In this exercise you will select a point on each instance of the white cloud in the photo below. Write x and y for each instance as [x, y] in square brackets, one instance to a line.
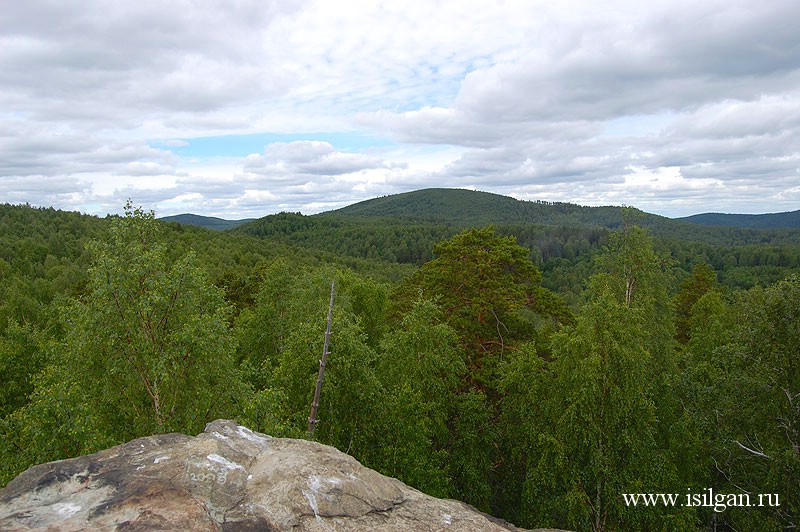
[540, 99]
[308, 158]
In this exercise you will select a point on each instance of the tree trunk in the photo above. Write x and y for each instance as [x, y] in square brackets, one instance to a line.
[312, 419]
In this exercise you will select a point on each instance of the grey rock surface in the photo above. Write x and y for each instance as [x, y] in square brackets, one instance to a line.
[227, 478]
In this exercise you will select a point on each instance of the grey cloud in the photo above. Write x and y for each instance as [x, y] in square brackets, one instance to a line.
[19, 186]
[730, 39]
[778, 173]
[213, 121]
[545, 164]
[727, 71]
[546, 100]
[457, 127]
[135, 57]
[28, 150]
[768, 116]
[663, 60]
[35, 150]
[42, 190]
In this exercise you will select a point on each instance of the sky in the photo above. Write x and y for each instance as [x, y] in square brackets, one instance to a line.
[244, 108]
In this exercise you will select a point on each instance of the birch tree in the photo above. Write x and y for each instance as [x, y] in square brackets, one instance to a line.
[148, 350]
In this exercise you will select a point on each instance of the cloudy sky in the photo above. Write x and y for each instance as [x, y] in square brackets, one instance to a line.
[242, 108]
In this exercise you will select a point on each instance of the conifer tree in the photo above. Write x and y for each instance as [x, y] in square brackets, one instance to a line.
[702, 280]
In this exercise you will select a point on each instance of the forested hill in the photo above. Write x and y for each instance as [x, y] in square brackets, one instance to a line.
[208, 222]
[752, 221]
[440, 213]
[474, 208]
[540, 370]
[471, 207]
[561, 237]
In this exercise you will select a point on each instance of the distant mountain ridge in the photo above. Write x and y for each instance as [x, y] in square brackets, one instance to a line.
[403, 227]
[471, 207]
[209, 222]
[750, 221]
[464, 205]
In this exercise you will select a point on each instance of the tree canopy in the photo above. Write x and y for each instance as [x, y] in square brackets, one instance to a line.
[538, 372]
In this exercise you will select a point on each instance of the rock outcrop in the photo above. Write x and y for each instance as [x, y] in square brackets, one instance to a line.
[227, 478]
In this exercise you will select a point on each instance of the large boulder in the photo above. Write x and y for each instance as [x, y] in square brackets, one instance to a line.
[227, 478]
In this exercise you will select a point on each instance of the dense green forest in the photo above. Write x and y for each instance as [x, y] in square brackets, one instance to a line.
[754, 221]
[209, 222]
[542, 362]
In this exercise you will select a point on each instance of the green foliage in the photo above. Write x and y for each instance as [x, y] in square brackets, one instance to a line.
[702, 369]
[21, 357]
[636, 276]
[384, 241]
[759, 449]
[409, 440]
[702, 281]
[483, 283]
[524, 380]
[471, 448]
[423, 351]
[479, 279]
[208, 222]
[470, 378]
[351, 390]
[468, 208]
[281, 344]
[630, 266]
[476, 208]
[157, 330]
[607, 378]
[147, 350]
[56, 423]
[404, 228]
[755, 221]
[420, 368]
[282, 302]
[599, 384]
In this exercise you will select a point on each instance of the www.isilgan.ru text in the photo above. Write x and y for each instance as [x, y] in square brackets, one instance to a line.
[707, 498]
